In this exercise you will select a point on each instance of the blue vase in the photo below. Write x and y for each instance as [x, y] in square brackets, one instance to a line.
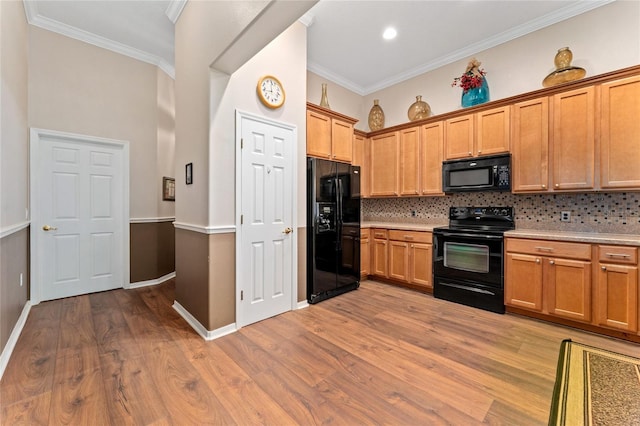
[478, 95]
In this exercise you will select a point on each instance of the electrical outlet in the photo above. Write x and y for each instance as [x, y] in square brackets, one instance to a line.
[565, 216]
[413, 213]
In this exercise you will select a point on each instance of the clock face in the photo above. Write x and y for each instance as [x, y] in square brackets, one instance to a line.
[270, 92]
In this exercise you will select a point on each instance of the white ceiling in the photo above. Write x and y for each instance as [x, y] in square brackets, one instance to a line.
[345, 42]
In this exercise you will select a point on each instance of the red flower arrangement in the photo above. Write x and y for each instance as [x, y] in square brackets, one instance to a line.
[472, 77]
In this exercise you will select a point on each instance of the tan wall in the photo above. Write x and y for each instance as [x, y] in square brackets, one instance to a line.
[80, 88]
[192, 274]
[14, 140]
[166, 140]
[152, 248]
[222, 280]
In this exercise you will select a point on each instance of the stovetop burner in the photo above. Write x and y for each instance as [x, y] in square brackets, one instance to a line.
[486, 220]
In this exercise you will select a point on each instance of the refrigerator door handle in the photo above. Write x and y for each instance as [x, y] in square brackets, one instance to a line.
[339, 213]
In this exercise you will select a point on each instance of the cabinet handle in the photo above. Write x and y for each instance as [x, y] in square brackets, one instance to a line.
[537, 260]
[544, 186]
[544, 248]
[411, 245]
[470, 153]
[557, 185]
[604, 268]
[618, 255]
[408, 237]
[479, 152]
[552, 262]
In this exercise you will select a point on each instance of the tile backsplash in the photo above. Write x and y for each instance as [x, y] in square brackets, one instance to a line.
[613, 212]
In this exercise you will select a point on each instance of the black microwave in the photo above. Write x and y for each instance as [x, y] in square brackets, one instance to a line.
[491, 173]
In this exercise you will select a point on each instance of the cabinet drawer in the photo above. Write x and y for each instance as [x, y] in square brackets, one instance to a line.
[618, 254]
[380, 234]
[410, 236]
[364, 234]
[549, 248]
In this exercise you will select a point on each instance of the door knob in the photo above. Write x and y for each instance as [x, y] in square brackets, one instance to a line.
[288, 230]
[49, 228]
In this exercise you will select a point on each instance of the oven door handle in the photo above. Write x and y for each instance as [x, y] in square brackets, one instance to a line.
[475, 236]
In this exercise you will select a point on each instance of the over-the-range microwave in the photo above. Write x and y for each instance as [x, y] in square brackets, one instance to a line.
[490, 173]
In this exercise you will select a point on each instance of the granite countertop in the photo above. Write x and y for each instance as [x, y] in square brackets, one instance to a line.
[578, 237]
[571, 236]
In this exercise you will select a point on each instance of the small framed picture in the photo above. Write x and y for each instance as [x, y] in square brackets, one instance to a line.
[168, 189]
[188, 173]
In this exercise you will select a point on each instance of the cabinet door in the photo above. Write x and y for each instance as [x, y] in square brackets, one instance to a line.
[458, 137]
[379, 253]
[493, 131]
[341, 140]
[318, 135]
[420, 264]
[384, 164]
[431, 141]
[569, 288]
[573, 140]
[620, 134]
[410, 161]
[617, 305]
[399, 260]
[530, 145]
[523, 284]
[365, 257]
[360, 158]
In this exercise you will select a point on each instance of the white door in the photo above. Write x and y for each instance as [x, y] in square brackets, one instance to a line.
[78, 209]
[266, 254]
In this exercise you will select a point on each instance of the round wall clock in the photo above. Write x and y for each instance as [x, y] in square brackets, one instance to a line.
[270, 91]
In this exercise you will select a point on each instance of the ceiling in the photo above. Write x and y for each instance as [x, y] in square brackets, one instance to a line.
[345, 42]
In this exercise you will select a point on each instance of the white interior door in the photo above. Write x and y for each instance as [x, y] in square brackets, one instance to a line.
[265, 264]
[79, 230]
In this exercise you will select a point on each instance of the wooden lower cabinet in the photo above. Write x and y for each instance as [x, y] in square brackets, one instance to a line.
[617, 288]
[379, 253]
[595, 285]
[541, 277]
[408, 256]
[365, 253]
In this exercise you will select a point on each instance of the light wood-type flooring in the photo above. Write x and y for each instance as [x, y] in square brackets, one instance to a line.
[377, 355]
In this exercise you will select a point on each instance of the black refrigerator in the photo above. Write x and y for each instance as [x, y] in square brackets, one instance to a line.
[333, 228]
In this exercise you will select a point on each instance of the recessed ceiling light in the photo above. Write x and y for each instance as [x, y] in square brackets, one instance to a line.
[390, 33]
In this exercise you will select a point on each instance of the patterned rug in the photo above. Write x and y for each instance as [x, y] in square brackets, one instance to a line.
[595, 387]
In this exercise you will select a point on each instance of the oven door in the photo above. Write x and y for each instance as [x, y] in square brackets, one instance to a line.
[471, 257]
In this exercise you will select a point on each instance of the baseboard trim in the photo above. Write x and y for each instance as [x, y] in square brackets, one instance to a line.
[302, 305]
[201, 329]
[13, 339]
[157, 281]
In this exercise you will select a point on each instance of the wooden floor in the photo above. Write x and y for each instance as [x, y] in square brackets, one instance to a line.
[378, 355]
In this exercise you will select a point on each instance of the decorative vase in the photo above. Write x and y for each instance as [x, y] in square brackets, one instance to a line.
[419, 109]
[324, 100]
[564, 71]
[476, 96]
[376, 116]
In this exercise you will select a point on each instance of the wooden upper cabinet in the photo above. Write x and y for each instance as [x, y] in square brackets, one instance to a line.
[483, 133]
[620, 134]
[361, 151]
[493, 131]
[431, 141]
[410, 161]
[459, 137]
[384, 162]
[341, 140]
[318, 135]
[530, 145]
[573, 139]
[329, 134]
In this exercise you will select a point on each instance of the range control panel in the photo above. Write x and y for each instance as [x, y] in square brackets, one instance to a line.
[459, 213]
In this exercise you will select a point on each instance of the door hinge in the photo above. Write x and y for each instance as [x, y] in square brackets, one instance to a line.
[241, 219]
[241, 295]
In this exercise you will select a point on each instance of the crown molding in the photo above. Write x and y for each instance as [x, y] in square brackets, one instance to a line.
[473, 49]
[174, 9]
[35, 19]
